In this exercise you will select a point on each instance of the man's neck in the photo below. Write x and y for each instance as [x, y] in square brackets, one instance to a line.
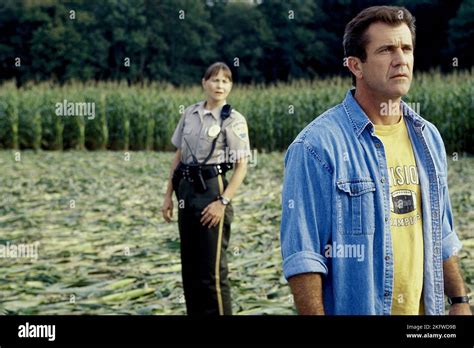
[380, 110]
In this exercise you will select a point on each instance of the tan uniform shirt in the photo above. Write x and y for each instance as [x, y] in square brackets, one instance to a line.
[193, 128]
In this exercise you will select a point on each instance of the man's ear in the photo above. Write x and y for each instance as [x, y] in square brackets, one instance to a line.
[355, 66]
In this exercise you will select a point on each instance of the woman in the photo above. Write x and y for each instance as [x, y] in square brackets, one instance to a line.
[210, 137]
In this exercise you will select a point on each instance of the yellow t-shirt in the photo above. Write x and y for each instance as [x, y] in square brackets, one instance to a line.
[406, 225]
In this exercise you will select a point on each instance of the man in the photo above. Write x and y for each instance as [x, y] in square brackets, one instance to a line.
[367, 226]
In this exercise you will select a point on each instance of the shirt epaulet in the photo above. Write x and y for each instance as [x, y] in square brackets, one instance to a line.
[235, 114]
[193, 108]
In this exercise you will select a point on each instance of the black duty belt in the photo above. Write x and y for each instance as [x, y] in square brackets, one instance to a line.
[199, 173]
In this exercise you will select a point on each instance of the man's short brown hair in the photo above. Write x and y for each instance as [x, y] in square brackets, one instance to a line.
[214, 69]
[355, 35]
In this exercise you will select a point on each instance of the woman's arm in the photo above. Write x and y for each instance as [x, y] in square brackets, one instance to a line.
[167, 209]
[236, 179]
[214, 212]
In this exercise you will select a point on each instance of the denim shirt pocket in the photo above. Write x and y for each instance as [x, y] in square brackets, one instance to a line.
[355, 206]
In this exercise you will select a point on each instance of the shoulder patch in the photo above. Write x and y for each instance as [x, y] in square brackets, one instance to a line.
[240, 129]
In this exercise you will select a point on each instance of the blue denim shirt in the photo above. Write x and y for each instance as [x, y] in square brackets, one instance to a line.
[336, 210]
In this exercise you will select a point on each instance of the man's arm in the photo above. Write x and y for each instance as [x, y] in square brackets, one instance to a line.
[308, 293]
[454, 286]
[305, 226]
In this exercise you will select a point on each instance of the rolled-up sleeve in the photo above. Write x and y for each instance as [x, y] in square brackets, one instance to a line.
[306, 212]
[451, 244]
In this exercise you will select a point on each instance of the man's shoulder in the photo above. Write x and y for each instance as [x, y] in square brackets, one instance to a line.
[434, 140]
[320, 138]
[429, 129]
[326, 127]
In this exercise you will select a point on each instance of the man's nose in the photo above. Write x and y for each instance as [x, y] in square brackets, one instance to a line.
[400, 58]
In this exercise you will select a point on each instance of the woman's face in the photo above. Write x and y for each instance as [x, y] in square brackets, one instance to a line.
[217, 88]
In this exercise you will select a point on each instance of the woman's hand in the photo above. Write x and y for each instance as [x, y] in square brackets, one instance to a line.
[167, 209]
[213, 214]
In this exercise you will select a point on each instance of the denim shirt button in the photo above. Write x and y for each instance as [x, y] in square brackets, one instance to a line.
[382, 180]
[387, 258]
[386, 219]
[377, 145]
[387, 294]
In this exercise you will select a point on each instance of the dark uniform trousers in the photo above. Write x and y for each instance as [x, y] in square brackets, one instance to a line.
[203, 250]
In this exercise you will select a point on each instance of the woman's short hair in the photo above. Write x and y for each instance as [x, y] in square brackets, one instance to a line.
[214, 69]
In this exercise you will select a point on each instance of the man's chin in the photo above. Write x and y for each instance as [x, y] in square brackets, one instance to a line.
[399, 91]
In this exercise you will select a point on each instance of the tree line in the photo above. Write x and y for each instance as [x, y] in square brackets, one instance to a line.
[264, 41]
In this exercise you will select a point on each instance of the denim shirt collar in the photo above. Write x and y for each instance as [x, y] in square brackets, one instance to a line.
[360, 120]
[409, 113]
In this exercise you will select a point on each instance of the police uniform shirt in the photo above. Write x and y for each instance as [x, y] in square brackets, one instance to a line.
[194, 128]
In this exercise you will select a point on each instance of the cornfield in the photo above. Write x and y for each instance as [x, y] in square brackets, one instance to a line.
[144, 117]
[103, 247]
[111, 252]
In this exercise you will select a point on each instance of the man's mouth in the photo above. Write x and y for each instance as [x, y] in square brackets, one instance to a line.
[399, 76]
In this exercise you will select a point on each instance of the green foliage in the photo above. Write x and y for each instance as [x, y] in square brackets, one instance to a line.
[144, 117]
[461, 34]
[174, 40]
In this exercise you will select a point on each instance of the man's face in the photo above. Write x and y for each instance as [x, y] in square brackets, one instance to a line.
[388, 69]
[217, 87]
